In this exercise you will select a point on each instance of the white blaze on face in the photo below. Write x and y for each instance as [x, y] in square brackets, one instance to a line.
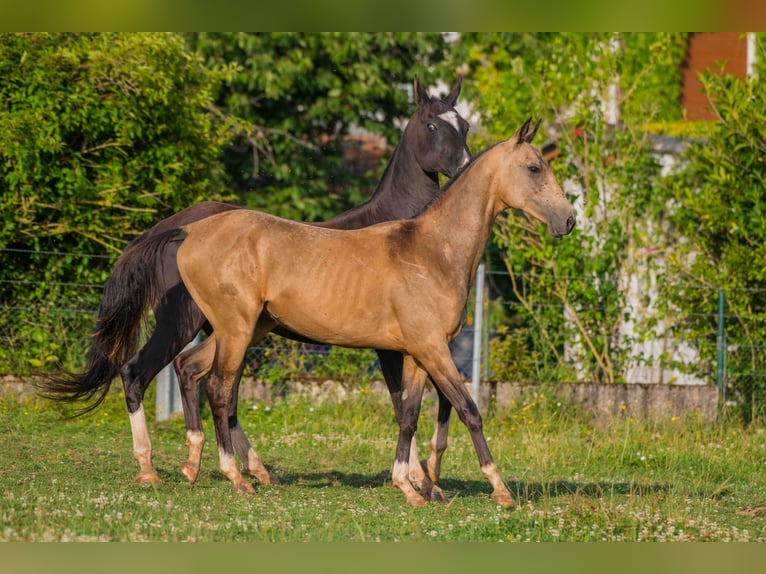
[451, 118]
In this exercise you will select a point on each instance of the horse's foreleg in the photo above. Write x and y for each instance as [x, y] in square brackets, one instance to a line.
[438, 362]
[242, 446]
[229, 353]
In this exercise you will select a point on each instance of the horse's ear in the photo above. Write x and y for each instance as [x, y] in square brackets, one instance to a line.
[525, 134]
[451, 98]
[521, 134]
[421, 96]
[531, 135]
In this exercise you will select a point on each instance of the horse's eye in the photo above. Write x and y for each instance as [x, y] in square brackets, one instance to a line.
[533, 168]
[431, 127]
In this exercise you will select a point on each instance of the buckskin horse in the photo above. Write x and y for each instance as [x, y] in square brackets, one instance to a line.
[400, 286]
[433, 142]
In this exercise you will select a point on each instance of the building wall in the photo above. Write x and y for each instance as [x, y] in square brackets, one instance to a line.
[707, 50]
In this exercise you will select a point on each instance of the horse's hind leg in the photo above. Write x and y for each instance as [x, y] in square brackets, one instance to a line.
[167, 339]
[191, 366]
[230, 348]
[135, 385]
[391, 366]
[413, 379]
[142, 447]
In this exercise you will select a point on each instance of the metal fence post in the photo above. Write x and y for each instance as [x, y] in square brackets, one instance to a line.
[721, 344]
[477, 332]
[168, 400]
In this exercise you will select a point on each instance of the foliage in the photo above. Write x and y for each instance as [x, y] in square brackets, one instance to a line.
[280, 360]
[720, 235]
[302, 93]
[104, 134]
[572, 292]
[101, 135]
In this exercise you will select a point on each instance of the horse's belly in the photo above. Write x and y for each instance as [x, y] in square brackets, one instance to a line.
[345, 327]
[349, 311]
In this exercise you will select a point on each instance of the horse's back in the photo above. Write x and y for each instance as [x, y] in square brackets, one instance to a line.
[313, 280]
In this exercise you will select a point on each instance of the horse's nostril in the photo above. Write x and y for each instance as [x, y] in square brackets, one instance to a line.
[570, 223]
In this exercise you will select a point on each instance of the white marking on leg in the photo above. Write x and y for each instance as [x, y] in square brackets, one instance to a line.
[399, 474]
[141, 442]
[400, 479]
[228, 465]
[142, 446]
[195, 440]
[249, 457]
[500, 493]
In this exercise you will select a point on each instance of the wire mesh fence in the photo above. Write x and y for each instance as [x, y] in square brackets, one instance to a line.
[519, 342]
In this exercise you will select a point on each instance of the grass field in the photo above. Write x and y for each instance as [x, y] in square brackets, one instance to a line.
[573, 480]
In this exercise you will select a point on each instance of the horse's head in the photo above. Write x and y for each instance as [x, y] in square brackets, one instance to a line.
[437, 132]
[528, 182]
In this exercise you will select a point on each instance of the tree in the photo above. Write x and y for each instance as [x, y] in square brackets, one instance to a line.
[719, 239]
[101, 135]
[575, 319]
[299, 94]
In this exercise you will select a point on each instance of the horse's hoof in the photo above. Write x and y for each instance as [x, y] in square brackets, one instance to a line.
[191, 472]
[502, 499]
[244, 486]
[272, 480]
[264, 477]
[148, 478]
[416, 500]
[438, 496]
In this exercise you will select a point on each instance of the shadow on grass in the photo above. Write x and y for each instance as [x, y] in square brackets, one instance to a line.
[334, 478]
[521, 490]
[534, 490]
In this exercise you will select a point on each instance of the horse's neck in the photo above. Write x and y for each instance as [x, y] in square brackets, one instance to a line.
[403, 192]
[461, 220]
[405, 188]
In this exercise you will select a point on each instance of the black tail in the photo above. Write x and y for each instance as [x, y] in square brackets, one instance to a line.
[128, 292]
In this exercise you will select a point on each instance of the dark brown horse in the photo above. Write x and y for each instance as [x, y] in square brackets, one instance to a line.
[432, 142]
[400, 286]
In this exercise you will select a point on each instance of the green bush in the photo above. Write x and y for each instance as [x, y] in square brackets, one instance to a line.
[719, 239]
[101, 135]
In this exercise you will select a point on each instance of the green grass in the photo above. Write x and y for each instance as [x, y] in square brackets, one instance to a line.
[573, 480]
